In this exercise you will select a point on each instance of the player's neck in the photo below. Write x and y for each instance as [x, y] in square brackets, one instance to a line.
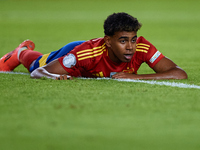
[113, 57]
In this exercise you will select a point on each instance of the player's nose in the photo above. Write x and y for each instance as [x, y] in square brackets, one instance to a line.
[129, 46]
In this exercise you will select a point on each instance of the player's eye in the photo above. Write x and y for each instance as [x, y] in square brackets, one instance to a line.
[122, 41]
[133, 41]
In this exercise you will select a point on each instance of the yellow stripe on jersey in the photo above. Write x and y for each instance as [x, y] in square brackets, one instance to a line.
[141, 47]
[142, 44]
[89, 50]
[140, 50]
[90, 56]
[43, 60]
[90, 53]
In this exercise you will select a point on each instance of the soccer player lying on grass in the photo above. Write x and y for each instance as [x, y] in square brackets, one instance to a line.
[118, 55]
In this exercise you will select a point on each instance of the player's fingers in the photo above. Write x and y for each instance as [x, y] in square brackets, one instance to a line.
[64, 77]
[60, 77]
[70, 78]
[119, 75]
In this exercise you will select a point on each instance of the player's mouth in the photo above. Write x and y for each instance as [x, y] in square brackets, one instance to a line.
[128, 56]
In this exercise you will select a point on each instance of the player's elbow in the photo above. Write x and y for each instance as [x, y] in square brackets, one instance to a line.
[184, 75]
[181, 74]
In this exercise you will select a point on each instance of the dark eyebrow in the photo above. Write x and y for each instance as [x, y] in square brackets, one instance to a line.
[134, 37]
[125, 37]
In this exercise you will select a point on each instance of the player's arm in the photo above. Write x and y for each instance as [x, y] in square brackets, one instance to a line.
[164, 69]
[167, 69]
[53, 70]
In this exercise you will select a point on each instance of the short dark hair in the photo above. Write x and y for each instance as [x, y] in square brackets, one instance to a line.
[120, 22]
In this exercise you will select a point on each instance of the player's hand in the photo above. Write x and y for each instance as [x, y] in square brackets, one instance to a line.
[123, 75]
[64, 77]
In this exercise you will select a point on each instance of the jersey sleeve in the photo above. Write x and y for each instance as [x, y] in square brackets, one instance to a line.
[150, 54]
[70, 62]
[82, 58]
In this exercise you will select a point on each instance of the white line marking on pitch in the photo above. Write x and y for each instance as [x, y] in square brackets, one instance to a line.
[153, 82]
[172, 84]
[23, 73]
[166, 83]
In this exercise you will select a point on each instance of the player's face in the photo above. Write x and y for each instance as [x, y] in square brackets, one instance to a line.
[122, 46]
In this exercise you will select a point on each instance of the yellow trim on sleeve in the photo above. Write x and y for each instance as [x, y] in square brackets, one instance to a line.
[89, 53]
[143, 47]
[139, 50]
[89, 50]
[91, 56]
[142, 44]
[43, 60]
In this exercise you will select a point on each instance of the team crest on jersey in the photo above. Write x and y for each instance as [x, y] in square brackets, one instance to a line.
[69, 61]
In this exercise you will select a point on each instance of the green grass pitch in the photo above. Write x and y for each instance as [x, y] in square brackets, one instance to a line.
[99, 114]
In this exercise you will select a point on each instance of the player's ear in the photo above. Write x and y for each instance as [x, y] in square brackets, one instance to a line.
[107, 40]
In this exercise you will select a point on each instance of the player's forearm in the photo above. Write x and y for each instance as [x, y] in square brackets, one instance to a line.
[161, 76]
[175, 73]
[41, 72]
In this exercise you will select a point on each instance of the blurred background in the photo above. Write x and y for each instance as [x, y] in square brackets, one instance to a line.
[172, 25]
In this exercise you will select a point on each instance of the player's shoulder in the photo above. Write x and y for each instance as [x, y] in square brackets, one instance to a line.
[142, 45]
[91, 53]
[142, 41]
[90, 44]
[91, 47]
[97, 43]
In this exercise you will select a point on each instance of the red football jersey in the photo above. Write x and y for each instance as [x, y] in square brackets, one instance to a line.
[90, 59]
